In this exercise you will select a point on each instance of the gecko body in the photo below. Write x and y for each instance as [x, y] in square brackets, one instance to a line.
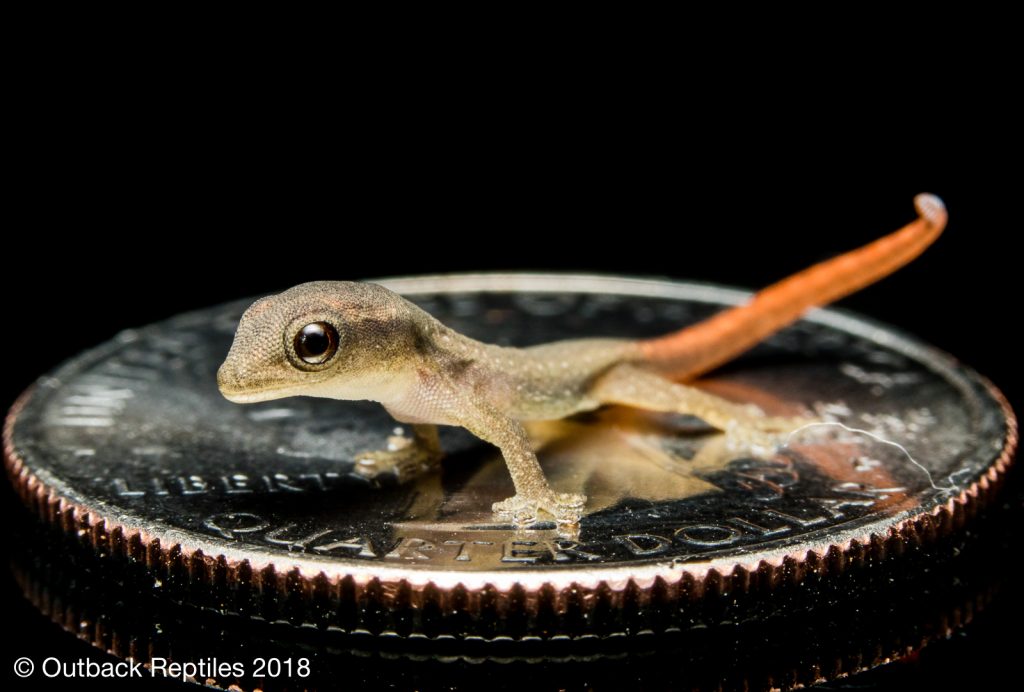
[349, 340]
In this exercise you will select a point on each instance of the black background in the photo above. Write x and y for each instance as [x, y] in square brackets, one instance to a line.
[127, 218]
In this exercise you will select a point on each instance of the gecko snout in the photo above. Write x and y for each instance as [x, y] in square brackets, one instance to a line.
[244, 378]
[231, 381]
[243, 385]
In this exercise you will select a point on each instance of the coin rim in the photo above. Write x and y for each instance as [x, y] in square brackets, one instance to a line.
[73, 617]
[160, 545]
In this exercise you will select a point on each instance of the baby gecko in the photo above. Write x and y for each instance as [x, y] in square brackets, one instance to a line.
[345, 340]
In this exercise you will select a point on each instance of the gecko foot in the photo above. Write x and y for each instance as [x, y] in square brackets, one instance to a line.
[566, 508]
[761, 435]
[404, 463]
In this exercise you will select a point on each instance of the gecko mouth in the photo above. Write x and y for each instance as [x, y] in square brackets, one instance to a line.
[231, 388]
[249, 396]
[256, 395]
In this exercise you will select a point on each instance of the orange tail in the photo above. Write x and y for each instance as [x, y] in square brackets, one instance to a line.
[701, 347]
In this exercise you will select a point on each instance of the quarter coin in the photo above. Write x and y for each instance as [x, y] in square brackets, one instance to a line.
[131, 447]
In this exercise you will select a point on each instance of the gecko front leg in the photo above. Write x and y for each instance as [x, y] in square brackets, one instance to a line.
[404, 458]
[533, 493]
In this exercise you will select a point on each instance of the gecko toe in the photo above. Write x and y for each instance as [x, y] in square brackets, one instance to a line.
[402, 464]
[564, 508]
[762, 436]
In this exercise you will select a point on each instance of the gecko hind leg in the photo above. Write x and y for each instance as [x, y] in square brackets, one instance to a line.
[405, 458]
[746, 426]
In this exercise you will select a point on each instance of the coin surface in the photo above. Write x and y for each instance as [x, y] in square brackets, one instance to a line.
[131, 446]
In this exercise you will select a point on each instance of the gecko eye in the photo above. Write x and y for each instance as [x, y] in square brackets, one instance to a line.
[316, 343]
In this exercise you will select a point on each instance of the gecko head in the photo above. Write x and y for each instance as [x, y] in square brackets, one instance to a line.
[327, 338]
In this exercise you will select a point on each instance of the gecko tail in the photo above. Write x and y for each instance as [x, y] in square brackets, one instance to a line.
[696, 349]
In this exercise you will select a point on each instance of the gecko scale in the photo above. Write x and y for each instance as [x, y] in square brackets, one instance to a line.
[346, 340]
